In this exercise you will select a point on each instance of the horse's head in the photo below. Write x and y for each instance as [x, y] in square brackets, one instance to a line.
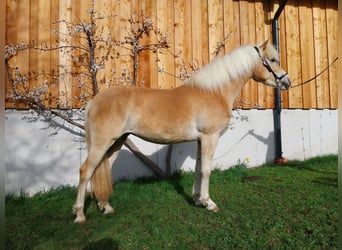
[268, 70]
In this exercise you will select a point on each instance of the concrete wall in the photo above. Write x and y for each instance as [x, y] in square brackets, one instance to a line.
[39, 157]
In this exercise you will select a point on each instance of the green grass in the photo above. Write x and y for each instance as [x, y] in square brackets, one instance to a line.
[271, 207]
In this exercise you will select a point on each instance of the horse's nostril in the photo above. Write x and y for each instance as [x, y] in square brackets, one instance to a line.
[285, 83]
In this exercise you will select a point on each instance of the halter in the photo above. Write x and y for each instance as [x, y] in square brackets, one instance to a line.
[269, 68]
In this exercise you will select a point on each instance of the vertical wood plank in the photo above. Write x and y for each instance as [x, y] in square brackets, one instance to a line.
[65, 81]
[307, 53]
[148, 59]
[321, 56]
[82, 57]
[231, 24]
[162, 17]
[183, 41]
[21, 33]
[293, 53]
[196, 24]
[205, 32]
[199, 22]
[100, 8]
[117, 51]
[144, 72]
[215, 23]
[125, 66]
[109, 67]
[43, 39]
[33, 54]
[153, 58]
[11, 34]
[331, 15]
[165, 59]
[76, 69]
[54, 55]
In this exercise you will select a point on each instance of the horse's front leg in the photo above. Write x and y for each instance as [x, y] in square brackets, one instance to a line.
[208, 146]
[196, 189]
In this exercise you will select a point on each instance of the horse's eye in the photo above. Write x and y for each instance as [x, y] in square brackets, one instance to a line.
[274, 60]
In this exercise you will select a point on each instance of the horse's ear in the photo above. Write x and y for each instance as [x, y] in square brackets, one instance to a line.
[263, 45]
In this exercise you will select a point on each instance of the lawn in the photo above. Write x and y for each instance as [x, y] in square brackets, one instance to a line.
[279, 207]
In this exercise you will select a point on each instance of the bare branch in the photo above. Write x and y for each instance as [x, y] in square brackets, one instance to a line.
[220, 45]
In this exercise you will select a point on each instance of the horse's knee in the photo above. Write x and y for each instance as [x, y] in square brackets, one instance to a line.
[76, 208]
[83, 172]
[205, 173]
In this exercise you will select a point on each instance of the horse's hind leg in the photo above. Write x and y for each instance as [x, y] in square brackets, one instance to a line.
[112, 154]
[94, 157]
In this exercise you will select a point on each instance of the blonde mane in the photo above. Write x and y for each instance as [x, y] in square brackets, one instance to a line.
[224, 69]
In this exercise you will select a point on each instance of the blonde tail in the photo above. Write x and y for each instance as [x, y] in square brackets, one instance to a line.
[101, 182]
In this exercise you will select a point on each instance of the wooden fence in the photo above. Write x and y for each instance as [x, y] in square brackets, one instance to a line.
[194, 29]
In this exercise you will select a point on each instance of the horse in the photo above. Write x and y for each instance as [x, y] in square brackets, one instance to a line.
[198, 110]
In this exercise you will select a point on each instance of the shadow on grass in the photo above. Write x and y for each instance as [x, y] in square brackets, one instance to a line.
[327, 181]
[88, 200]
[324, 166]
[174, 180]
[315, 165]
[103, 244]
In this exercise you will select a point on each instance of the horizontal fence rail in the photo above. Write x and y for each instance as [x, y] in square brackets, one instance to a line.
[178, 38]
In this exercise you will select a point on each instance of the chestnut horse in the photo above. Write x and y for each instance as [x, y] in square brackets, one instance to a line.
[199, 110]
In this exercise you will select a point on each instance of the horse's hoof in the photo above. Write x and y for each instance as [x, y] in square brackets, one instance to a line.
[108, 210]
[215, 209]
[80, 219]
[211, 206]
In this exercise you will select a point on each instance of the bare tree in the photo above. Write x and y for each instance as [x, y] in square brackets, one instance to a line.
[94, 50]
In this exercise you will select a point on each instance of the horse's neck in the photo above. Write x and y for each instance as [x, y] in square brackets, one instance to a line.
[233, 89]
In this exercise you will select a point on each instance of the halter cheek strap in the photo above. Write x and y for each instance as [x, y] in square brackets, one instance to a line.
[269, 68]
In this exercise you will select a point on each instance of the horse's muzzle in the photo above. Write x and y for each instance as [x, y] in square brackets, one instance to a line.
[284, 82]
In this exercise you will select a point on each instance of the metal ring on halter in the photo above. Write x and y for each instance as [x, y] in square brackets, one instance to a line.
[269, 68]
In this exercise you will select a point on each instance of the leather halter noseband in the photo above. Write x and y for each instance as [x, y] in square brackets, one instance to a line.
[269, 68]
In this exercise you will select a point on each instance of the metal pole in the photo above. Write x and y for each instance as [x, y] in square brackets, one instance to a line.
[277, 110]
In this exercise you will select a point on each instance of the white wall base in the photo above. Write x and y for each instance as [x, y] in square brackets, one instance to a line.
[39, 157]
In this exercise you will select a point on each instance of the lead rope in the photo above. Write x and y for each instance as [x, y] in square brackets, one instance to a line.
[316, 76]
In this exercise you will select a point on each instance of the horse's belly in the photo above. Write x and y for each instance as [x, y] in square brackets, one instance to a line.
[167, 134]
